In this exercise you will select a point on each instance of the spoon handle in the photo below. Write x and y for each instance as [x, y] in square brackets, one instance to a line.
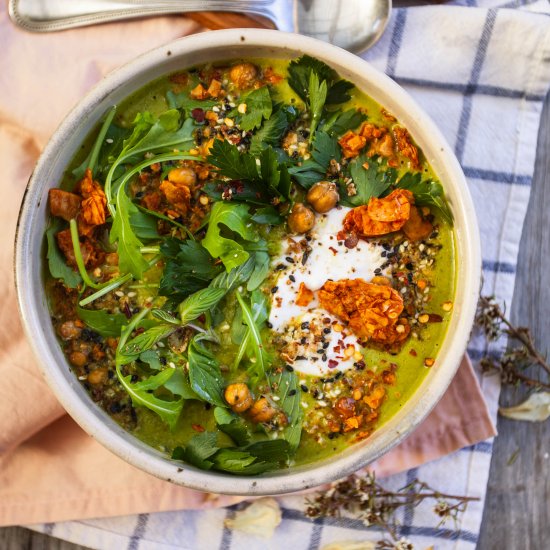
[57, 15]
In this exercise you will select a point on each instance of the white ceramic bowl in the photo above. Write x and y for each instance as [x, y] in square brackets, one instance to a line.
[179, 55]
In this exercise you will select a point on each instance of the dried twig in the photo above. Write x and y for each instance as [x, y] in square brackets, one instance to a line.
[521, 353]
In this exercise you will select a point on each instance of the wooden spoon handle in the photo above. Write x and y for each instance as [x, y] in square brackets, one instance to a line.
[224, 20]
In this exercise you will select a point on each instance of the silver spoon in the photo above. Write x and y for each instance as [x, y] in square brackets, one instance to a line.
[354, 25]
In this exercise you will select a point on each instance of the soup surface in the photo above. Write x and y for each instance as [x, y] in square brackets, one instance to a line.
[251, 265]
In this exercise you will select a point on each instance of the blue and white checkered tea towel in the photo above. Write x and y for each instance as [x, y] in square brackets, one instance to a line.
[481, 70]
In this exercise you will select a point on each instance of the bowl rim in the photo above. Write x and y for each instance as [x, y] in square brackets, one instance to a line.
[146, 458]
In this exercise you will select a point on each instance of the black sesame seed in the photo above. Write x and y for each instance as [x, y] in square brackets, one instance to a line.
[326, 345]
[292, 392]
[274, 289]
[377, 271]
[289, 368]
[280, 267]
[289, 260]
[320, 351]
[327, 330]
[304, 388]
[409, 266]
[292, 278]
[268, 324]
[303, 340]
[305, 325]
[301, 358]
[332, 435]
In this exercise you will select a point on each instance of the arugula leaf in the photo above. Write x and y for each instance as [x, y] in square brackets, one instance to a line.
[141, 395]
[286, 388]
[205, 374]
[261, 270]
[104, 323]
[179, 385]
[317, 98]
[270, 133]
[91, 160]
[232, 425]
[259, 106]
[130, 258]
[152, 358]
[189, 267]
[427, 193]
[198, 303]
[57, 263]
[185, 102]
[369, 182]
[252, 321]
[151, 136]
[236, 218]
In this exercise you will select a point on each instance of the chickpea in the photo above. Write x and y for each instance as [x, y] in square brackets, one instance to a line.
[182, 176]
[323, 196]
[98, 376]
[238, 397]
[78, 359]
[70, 330]
[261, 411]
[301, 219]
[243, 75]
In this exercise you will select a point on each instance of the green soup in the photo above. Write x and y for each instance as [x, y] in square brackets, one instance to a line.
[251, 265]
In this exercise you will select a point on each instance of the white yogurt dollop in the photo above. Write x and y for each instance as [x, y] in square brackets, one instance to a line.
[303, 327]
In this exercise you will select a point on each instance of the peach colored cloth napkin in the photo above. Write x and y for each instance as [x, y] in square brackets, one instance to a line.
[50, 470]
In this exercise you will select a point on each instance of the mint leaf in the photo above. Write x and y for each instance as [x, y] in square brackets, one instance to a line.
[198, 303]
[143, 342]
[236, 218]
[237, 276]
[198, 450]
[233, 425]
[259, 106]
[286, 388]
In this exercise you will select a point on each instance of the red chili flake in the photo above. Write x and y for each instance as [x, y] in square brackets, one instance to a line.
[333, 250]
[435, 318]
[413, 352]
[127, 311]
[337, 349]
[202, 318]
[332, 363]
[139, 330]
[197, 427]
[198, 114]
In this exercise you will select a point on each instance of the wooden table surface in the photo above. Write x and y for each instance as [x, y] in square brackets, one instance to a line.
[517, 513]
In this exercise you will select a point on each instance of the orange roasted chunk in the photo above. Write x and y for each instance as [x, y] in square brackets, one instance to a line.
[305, 296]
[406, 147]
[179, 196]
[64, 204]
[94, 204]
[351, 144]
[379, 216]
[417, 228]
[199, 92]
[371, 310]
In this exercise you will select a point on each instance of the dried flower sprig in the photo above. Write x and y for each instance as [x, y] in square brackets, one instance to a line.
[521, 353]
[364, 497]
